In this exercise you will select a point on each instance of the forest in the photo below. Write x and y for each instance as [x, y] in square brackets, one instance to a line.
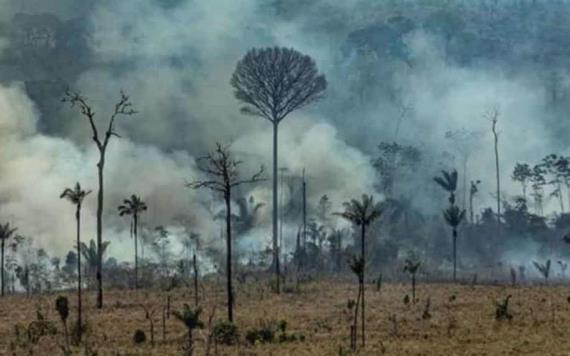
[168, 165]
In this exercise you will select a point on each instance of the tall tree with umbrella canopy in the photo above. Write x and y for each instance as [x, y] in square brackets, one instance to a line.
[134, 207]
[272, 83]
[76, 195]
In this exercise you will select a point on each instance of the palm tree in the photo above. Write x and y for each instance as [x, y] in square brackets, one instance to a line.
[448, 181]
[91, 255]
[76, 196]
[134, 207]
[412, 266]
[361, 213]
[6, 231]
[453, 215]
[248, 214]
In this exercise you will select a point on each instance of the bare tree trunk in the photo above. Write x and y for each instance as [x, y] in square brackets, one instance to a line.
[275, 211]
[560, 198]
[135, 217]
[229, 256]
[454, 253]
[304, 213]
[356, 308]
[2, 265]
[464, 200]
[568, 193]
[195, 279]
[363, 251]
[414, 288]
[99, 273]
[79, 329]
[471, 215]
[496, 137]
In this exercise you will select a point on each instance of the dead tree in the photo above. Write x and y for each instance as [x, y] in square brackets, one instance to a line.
[123, 107]
[271, 83]
[494, 117]
[221, 170]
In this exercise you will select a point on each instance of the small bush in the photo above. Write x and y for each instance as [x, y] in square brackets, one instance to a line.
[225, 333]
[139, 337]
[260, 335]
[271, 331]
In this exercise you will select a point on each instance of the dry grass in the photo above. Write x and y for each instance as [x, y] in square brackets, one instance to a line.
[464, 326]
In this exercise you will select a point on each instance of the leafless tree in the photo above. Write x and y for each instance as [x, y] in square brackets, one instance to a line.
[222, 175]
[123, 107]
[493, 116]
[271, 83]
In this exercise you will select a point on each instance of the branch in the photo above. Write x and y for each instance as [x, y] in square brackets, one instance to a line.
[75, 98]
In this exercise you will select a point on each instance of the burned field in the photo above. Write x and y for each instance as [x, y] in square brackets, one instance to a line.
[444, 320]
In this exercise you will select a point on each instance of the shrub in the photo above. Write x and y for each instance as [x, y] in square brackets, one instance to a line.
[139, 337]
[260, 335]
[225, 333]
[271, 331]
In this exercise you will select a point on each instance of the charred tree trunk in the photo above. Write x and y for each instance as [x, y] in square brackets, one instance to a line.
[195, 265]
[135, 218]
[229, 256]
[454, 253]
[79, 305]
[2, 266]
[496, 141]
[99, 273]
[275, 211]
[362, 312]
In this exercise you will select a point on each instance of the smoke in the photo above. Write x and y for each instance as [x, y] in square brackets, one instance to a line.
[175, 57]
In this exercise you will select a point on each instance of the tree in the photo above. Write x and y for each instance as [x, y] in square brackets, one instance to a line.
[562, 165]
[494, 117]
[361, 213]
[412, 266]
[91, 254]
[357, 267]
[6, 232]
[160, 244]
[394, 161]
[134, 207]
[544, 269]
[453, 215]
[272, 83]
[76, 196]
[123, 107]
[222, 172]
[552, 169]
[522, 174]
[191, 320]
[538, 182]
[472, 192]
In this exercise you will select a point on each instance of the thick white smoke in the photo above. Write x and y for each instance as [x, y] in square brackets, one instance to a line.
[175, 62]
